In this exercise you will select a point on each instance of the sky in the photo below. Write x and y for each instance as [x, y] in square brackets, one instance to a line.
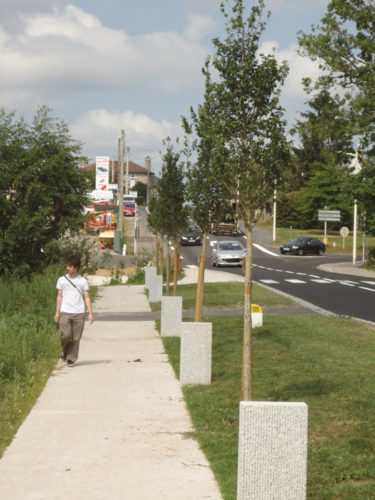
[107, 65]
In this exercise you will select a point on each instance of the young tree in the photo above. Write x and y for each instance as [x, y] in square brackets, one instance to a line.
[344, 44]
[171, 197]
[206, 193]
[155, 221]
[253, 129]
[42, 190]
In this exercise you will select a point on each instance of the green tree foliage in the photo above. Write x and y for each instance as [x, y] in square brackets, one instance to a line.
[344, 44]
[141, 189]
[42, 190]
[326, 128]
[206, 193]
[171, 193]
[251, 119]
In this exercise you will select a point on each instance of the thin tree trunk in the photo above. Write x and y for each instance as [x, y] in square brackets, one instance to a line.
[157, 251]
[247, 362]
[168, 270]
[200, 284]
[162, 256]
[175, 266]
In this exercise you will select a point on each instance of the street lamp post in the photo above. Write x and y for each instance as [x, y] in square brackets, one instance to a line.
[274, 217]
[355, 232]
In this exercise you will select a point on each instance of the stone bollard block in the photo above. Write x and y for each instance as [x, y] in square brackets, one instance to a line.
[195, 353]
[272, 451]
[149, 271]
[155, 289]
[171, 316]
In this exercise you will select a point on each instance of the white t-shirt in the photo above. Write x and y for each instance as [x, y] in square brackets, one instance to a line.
[72, 298]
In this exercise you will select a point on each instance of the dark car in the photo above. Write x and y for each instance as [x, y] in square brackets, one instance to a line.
[303, 245]
[190, 236]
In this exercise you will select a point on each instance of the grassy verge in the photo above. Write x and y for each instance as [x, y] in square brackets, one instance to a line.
[335, 241]
[229, 295]
[29, 346]
[325, 362]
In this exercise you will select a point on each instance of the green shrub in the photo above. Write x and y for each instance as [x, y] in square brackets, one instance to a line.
[138, 278]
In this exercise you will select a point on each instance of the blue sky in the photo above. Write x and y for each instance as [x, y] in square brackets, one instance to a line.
[104, 65]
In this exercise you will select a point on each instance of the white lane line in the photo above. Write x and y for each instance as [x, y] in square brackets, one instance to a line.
[368, 289]
[313, 276]
[269, 282]
[322, 281]
[279, 270]
[262, 249]
[346, 283]
[289, 272]
[301, 274]
[295, 281]
[368, 282]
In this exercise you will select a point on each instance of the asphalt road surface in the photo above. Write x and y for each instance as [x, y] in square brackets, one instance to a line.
[341, 294]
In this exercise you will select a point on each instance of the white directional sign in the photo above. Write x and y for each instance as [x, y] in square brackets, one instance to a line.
[329, 215]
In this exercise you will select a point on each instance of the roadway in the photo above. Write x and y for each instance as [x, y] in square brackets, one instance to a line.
[304, 277]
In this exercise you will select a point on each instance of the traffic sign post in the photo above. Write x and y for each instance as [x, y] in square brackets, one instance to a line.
[344, 231]
[328, 216]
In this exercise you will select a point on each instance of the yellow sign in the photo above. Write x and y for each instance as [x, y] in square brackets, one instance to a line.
[255, 308]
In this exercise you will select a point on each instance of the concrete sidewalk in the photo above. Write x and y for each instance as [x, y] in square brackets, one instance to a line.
[115, 426]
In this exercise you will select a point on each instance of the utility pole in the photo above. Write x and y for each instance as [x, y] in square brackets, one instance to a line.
[127, 172]
[148, 168]
[118, 232]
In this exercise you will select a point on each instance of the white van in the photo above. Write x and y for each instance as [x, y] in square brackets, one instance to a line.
[129, 197]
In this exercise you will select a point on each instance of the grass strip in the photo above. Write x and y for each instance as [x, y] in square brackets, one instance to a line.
[224, 295]
[325, 362]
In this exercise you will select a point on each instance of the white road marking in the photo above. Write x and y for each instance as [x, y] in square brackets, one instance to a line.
[369, 289]
[313, 276]
[347, 283]
[269, 282]
[368, 282]
[295, 281]
[301, 274]
[322, 281]
[262, 249]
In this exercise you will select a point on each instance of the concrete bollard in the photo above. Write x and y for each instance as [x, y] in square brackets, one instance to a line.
[272, 451]
[149, 271]
[171, 316]
[195, 353]
[155, 290]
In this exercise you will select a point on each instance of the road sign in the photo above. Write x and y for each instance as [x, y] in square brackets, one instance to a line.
[256, 315]
[344, 231]
[329, 215]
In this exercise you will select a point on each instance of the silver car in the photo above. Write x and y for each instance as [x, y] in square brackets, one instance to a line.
[228, 253]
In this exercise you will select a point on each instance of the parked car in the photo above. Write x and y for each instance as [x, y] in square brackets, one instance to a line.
[303, 245]
[130, 208]
[228, 253]
[190, 236]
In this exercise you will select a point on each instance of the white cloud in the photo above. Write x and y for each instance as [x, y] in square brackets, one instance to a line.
[199, 26]
[100, 129]
[68, 47]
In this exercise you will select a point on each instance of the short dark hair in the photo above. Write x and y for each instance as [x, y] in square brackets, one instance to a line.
[74, 260]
